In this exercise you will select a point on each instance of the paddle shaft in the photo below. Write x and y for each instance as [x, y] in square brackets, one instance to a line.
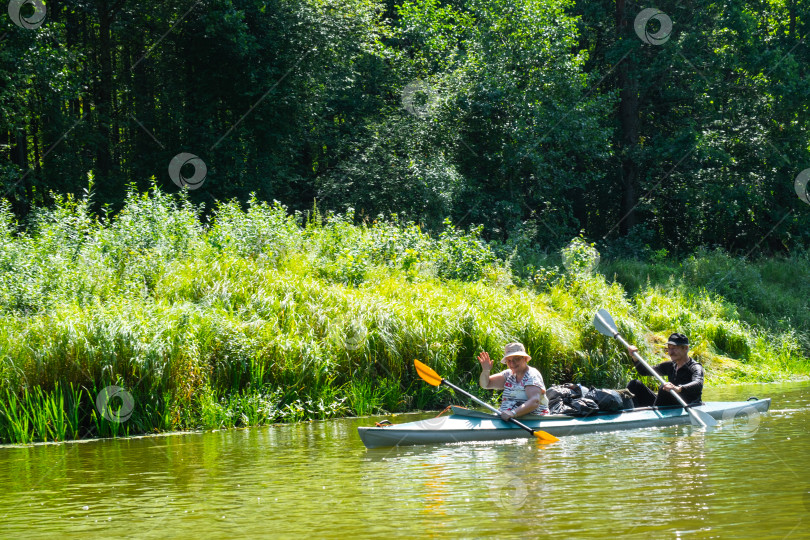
[661, 380]
[639, 358]
[605, 325]
[658, 376]
[487, 405]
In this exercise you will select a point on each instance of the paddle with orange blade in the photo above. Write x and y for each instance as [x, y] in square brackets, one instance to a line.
[433, 378]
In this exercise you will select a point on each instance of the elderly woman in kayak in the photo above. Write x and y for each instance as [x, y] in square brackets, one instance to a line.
[522, 385]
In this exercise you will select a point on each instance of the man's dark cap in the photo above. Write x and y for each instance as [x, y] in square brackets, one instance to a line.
[678, 339]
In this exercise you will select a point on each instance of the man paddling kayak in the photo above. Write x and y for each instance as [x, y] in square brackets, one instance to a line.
[523, 387]
[685, 376]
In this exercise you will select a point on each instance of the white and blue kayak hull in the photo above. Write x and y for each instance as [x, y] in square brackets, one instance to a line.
[470, 425]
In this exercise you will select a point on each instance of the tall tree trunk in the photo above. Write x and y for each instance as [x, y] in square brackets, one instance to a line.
[19, 154]
[37, 158]
[19, 157]
[629, 122]
[143, 146]
[104, 95]
[792, 27]
[5, 142]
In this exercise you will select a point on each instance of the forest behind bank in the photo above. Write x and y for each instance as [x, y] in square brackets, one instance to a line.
[677, 128]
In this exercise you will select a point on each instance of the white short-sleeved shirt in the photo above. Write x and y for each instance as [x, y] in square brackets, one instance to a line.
[514, 391]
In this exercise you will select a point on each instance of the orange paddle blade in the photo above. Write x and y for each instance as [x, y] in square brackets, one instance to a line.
[427, 374]
[545, 438]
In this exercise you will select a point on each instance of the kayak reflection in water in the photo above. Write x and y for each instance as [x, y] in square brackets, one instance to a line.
[523, 388]
[684, 375]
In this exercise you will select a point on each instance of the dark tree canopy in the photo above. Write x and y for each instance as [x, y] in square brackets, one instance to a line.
[554, 116]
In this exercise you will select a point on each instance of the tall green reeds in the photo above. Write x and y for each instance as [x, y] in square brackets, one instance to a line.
[253, 316]
[15, 425]
[39, 415]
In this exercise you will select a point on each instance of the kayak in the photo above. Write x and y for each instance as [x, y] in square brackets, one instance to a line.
[471, 425]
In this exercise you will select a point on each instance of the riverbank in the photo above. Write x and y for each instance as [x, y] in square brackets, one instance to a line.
[159, 319]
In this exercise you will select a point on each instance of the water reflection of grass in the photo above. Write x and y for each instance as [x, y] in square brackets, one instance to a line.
[256, 316]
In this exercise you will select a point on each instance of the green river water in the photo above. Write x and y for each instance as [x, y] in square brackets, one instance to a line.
[747, 479]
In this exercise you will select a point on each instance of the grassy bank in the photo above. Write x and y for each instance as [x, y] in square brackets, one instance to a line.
[256, 316]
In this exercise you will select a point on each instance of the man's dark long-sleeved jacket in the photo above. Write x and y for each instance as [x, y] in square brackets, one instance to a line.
[689, 377]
